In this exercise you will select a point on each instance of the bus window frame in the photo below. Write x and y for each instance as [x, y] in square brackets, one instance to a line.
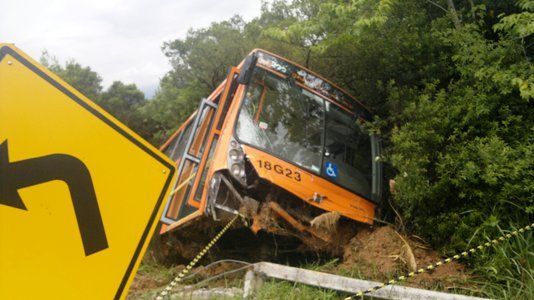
[224, 95]
[177, 135]
[205, 140]
[178, 132]
[241, 103]
[186, 156]
[309, 90]
[359, 105]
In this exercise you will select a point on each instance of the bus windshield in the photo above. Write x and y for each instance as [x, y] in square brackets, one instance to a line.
[286, 120]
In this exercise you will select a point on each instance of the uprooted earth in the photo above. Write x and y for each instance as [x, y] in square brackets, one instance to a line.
[373, 253]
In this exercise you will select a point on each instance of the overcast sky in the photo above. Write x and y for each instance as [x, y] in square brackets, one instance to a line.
[119, 39]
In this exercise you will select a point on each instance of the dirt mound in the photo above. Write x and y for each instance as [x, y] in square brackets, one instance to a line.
[379, 255]
[382, 253]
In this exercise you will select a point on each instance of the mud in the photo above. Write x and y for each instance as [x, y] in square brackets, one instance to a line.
[379, 255]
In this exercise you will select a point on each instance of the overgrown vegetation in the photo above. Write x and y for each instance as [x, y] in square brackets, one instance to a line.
[292, 291]
[124, 101]
[451, 84]
[507, 269]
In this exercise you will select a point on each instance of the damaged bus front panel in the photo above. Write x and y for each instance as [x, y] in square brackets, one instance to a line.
[275, 138]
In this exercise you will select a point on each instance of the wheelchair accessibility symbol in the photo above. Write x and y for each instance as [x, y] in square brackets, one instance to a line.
[331, 170]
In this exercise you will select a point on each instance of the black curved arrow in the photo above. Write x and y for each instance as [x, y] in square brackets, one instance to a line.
[71, 170]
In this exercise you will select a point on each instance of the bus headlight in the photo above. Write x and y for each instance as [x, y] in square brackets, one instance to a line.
[236, 162]
[235, 155]
[236, 170]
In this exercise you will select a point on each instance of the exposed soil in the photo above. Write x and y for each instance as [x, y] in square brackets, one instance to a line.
[379, 254]
[382, 254]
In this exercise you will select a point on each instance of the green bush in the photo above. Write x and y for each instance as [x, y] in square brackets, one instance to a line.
[465, 151]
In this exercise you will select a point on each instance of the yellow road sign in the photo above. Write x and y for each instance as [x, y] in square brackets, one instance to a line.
[80, 193]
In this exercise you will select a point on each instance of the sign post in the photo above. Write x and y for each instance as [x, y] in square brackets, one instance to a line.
[80, 193]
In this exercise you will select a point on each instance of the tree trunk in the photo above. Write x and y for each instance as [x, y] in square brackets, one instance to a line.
[472, 9]
[308, 56]
[454, 14]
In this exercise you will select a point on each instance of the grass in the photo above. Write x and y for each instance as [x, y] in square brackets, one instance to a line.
[158, 271]
[277, 289]
[150, 276]
[507, 270]
[273, 289]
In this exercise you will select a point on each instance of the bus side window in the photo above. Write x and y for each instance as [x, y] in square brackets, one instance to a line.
[200, 188]
[177, 204]
[176, 152]
[179, 147]
[204, 125]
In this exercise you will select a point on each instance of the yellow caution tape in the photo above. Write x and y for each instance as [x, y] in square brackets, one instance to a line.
[190, 266]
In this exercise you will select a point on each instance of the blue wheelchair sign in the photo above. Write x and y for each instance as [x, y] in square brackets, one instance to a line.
[331, 170]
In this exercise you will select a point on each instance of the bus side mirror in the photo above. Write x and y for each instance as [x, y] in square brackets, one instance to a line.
[245, 73]
[377, 166]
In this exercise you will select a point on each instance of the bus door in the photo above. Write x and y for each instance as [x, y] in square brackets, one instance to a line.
[199, 140]
[188, 164]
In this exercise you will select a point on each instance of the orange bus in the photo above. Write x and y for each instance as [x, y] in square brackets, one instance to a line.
[275, 141]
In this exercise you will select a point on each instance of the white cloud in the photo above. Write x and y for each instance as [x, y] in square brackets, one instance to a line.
[120, 39]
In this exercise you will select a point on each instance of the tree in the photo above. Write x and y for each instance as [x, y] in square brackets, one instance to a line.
[127, 103]
[205, 54]
[200, 63]
[464, 149]
[292, 29]
[123, 101]
[450, 83]
[173, 103]
[84, 79]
